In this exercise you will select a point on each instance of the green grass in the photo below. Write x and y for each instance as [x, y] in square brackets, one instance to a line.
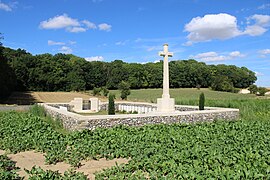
[182, 95]
[56, 124]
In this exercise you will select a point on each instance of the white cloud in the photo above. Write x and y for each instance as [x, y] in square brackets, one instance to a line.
[51, 43]
[59, 22]
[223, 26]
[255, 30]
[258, 73]
[212, 26]
[94, 58]
[72, 42]
[104, 27]
[76, 29]
[154, 48]
[259, 26]
[264, 51]
[71, 25]
[236, 54]
[5, 7]
[264, 6]
[262, 20]
[65, 50]
[214, 56]
[89, 24]
[121, 43]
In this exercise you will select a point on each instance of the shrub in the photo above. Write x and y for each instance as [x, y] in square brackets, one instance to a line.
[111, 107]
[96, 91]
[235, 90]
[261, 91]
[253, 89]
[201, 101]
[105, 91]
[125, 89]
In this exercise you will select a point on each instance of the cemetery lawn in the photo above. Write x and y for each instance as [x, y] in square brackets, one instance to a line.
[220, 150]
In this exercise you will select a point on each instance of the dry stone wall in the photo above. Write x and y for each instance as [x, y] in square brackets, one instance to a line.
[72, 121]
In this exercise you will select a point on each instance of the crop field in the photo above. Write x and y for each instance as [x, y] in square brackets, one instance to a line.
[220, 150]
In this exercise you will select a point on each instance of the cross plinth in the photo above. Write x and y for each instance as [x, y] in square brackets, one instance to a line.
[165, 104]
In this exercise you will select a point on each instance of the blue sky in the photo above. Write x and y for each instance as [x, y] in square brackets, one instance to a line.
[211, 31]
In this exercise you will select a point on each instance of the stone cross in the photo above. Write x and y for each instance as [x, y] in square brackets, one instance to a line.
[165, 104]
[165, 54]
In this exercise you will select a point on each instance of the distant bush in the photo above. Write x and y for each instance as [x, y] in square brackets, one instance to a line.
[96, 91]
[105, 91]
[261, 91]
[253, 89]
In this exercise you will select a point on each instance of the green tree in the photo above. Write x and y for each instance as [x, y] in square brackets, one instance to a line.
[222, 83]
[111, 106]
[124, 87]
[7, 76]
[253, 89]
[262, 91]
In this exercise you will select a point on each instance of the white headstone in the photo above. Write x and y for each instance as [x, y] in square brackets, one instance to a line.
[94, 104]
[77, 104]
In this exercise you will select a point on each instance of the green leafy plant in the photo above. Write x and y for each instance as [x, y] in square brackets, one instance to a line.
[38, 173]
[96, 91]
[111, 106]
[105, 91]
[201, 101]
[8, 169]
[219, 150]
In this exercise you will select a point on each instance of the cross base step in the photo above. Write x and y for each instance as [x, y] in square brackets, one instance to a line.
[165, 105]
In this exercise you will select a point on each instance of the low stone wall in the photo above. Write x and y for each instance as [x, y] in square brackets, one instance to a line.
[72, 121]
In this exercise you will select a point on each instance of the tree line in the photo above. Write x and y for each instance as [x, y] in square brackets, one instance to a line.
[21, 71]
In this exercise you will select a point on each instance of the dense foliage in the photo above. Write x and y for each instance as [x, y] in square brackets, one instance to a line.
[124, 87]
[219, 150]
[38, 173]
[61, 72]
[8, 169]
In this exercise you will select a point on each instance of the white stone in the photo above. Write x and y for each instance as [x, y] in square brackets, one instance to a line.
[166, 104]
[62, 108]
[244, 91]
[94, 104]
[77, 104]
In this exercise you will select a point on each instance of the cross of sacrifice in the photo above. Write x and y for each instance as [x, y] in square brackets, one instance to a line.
[165, 54]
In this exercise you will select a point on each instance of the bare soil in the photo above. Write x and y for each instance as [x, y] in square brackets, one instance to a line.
[28, 159]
